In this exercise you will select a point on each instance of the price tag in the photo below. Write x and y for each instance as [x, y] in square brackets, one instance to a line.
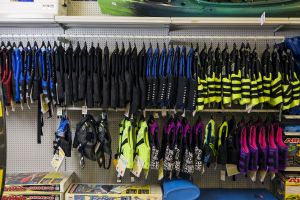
[262, 175]
[44, 104]
[252, 175]
[1, 112]
[232, 169]
[263, 18]
[164, 113]
[138, 165]
[84, 110]
[58, 159]
[59, 111]
[121, 166]
[223, 174]
[161, 170]
[156, 116]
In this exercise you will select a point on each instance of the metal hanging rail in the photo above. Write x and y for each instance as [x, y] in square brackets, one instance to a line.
[177, 110]
[170, 37]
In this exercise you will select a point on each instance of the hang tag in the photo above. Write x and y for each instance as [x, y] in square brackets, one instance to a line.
[58, 159]
[44, 104]
[194, 113]
[13, 106]
[222, 175]
[132, 179]
[232, 169]
[146, 173]
[263, 18]
[97, 147]
[252, 175]
[59, 111]
[156, 116]
[164, 113]
[273, 175]
[138, 165]
[262, 175]
[21, 104]
[84, 110]
[121, 166]
[161, 170]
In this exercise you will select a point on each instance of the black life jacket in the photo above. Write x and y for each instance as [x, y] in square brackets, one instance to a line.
[233, 153]
[142, 66]
[192, 80]
[154, 76]
[22, 80]
[114, 86]
[175, 70]
[188, 150]
[86, 138]
[75, 72]
[68, 63]
[59, 64]
[104, 139]
[97, 83]
[83, 73]
[128, 74]
[121, 77]
[149, 79]
[182, 87]
[6, 76]
[162, 79]
[170, 78]
[89, 82]
[106, 79]
[136, 93]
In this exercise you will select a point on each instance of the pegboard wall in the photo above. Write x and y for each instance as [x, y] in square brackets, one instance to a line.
[25, 155]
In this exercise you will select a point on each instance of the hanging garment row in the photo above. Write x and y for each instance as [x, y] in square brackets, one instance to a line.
[170, 77]
[252, 146]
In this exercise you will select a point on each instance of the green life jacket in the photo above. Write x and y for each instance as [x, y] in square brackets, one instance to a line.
[142, 147]
[126, 142]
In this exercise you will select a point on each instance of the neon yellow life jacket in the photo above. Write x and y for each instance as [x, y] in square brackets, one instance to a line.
[254, 92]
[142, 144]
[276, 91]
[267, 79]
[200, 97]
[296, 91]
[236, 86]
[126, 142]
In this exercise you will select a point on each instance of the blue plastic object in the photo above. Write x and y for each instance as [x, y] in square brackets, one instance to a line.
[180, 189]
[295, 128]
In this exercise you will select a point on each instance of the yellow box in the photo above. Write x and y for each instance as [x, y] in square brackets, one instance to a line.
[114, 191]
[288, 186]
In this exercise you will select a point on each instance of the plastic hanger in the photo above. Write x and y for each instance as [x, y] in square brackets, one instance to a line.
[2, 45]
[49, 45]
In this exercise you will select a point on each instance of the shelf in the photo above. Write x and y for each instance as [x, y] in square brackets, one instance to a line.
[291, 116]
[292, 133]
[292, 169]
[108, 21]
[27, 22]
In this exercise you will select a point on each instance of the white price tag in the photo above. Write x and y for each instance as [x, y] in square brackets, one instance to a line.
[59, 111]
[161, 170]
[84, 110]
[232, 169]
[263, 18]
[58, 159]
[138, 165]
[223, 174]
[121, 166]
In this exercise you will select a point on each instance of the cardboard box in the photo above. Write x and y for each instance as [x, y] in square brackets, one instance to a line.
[33, 196]
[38, 182]
[287, 186]
[293, 143]
[113, 192]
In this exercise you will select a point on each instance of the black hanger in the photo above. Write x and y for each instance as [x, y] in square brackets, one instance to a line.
[43, 44]
[224, 118]
[248, 46]
[21, 44]
[14, 44]
[35, 44]
[28, 44]
[49, 45]
[55, 44]
[2, 45]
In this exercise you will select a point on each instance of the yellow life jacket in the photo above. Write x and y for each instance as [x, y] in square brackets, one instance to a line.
[126, 142]
[295, 91]
[142, 147]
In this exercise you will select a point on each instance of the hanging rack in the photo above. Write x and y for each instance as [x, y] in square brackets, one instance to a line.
[170, 110]
[170, 37]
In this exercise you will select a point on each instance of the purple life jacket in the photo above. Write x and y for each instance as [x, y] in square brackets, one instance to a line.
[253, 163]
[188, 154]
[198, 132]
[262, 148]
[244, 153]
[178, 146]
[272, 151]
[281, 146]
[169, 133]
[155, 150]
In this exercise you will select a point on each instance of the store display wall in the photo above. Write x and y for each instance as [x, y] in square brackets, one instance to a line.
[25, 155]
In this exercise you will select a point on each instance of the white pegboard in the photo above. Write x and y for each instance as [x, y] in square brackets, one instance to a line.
[77, 8]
